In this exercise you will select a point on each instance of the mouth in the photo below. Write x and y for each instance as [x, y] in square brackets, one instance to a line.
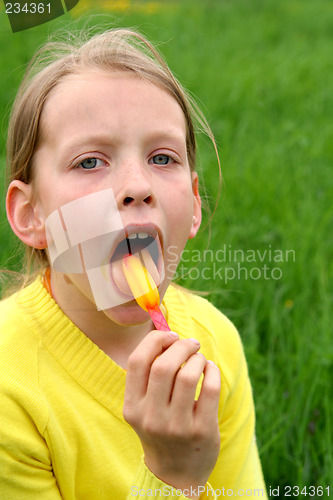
[144, 242]
[135, 242]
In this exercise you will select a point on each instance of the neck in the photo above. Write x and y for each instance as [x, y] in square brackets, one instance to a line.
[116, 331]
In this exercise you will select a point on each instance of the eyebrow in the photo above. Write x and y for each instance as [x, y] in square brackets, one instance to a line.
[107, 141]
[174, 136]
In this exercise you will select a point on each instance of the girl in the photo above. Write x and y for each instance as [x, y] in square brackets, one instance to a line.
[95, 403]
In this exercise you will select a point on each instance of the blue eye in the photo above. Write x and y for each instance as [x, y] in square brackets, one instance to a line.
[162, 159]
[90, 163]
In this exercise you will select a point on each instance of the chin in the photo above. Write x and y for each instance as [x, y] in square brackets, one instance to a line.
[129, 314]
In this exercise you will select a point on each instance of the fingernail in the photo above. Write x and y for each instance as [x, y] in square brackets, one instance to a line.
[174, 335]
[195, 341]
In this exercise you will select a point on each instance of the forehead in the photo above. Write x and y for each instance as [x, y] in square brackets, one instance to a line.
[95, 97]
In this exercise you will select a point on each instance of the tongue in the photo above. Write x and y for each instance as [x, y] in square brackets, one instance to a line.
[119, 277]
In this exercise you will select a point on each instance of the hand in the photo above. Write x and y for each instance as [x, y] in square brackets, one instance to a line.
[180, 436]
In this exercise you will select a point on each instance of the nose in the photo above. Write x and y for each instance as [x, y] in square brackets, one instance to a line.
[130, 200]
[136, 186]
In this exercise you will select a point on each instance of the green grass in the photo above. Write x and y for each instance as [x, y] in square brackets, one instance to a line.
[263, 70]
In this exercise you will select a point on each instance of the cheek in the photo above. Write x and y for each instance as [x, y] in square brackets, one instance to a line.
[52, 194]
[182, 206]
[46, 190]
[180, 218]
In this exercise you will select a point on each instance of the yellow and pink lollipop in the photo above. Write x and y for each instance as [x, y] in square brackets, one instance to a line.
[144, 289]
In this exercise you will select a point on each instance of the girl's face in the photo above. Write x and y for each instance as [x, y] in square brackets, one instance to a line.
[104, 130]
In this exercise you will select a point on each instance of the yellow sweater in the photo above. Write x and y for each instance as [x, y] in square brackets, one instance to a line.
[62, 432]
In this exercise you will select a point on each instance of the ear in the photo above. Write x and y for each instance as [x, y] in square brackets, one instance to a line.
[197, 215]
[23, 215]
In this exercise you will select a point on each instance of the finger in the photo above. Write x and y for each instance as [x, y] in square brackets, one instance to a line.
[164, 370]
[140, 361]
[186, 382]
[206, 409]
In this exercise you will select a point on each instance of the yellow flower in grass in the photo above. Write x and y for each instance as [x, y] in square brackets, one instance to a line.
[289, 303]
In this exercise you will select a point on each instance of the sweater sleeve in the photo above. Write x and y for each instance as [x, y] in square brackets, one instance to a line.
[25, 466]
[238, 470]
[147, 485]
[238, 467]
[25, 463]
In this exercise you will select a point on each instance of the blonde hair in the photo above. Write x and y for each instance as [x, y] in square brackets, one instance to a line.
[115, 49]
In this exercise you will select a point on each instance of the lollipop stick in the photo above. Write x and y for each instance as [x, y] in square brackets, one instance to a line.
[158, 319]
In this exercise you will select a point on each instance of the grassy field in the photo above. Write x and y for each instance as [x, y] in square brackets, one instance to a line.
[263, 71]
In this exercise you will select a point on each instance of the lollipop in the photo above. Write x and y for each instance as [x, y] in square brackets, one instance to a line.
[144, 289]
